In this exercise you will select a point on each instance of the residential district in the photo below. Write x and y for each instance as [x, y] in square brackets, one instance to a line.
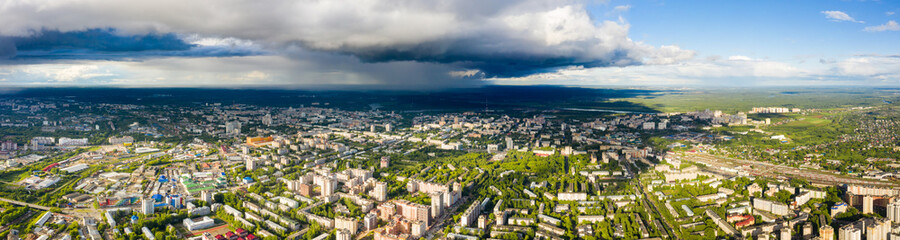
[78, 170]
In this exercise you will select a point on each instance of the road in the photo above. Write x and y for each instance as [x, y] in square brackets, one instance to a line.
[94, 213]
[448, 214]
[647, 201]
[35, 206]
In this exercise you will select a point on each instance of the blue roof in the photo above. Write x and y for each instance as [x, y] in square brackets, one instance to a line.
[134, 217]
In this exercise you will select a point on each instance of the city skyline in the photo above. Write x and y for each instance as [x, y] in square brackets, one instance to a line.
[402, 45]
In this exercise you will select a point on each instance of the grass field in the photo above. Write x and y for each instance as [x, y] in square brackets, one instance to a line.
[742, 100]
[803, 123]
[808, 130]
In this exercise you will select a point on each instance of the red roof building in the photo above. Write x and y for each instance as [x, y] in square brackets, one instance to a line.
[738, 217]
[745, 223]
[241, 232]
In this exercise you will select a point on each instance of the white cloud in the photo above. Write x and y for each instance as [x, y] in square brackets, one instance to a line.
[839, 16]
[868, 66]
[889, 13]
[739, 58]
[622, 8]
[735, 70]
[66, 72]
[302, 71]
[889, 26]
[668, 54]
[465, 73]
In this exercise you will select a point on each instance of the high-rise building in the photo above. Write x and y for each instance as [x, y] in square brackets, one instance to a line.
[346, 223]
[388, 127]
[328, 186]
[41, 141]
[385, 162]
[342, 234]
[380, 191]
[785, 233]
[893, 211]
[807, 230]
[867, 203]
[894, 236]
[250, 164]
[206, 196]
[877, 229]
[492, 148]
[305, 189]
[370, 221]
[826, 232]
[471, 214]
[8, 146]
[147, 206]
[437, 204]
[509, 143]
[387, 210]
[417, 229]
[233, 128]
[849, 232]
[413, 211]
[267, 119]
[870, 228]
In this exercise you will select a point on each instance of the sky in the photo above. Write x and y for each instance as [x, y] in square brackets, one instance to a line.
[408, 44]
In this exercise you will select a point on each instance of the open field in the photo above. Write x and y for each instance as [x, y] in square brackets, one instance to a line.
[742, 99]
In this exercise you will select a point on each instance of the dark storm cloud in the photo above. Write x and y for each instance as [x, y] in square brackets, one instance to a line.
[7, 48]
[99, 40]
[399, 42]
[107, 44]
[473, 54]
